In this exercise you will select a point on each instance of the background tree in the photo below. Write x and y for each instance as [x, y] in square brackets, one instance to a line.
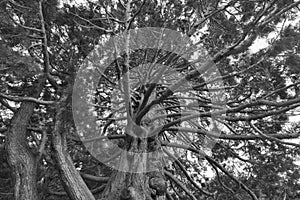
[43, 45]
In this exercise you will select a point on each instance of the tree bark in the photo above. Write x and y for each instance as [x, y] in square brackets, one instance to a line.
[140, 174]
[21, 159]
[71, 179]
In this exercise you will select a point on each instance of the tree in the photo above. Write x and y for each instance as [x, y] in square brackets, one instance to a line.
[158, 110]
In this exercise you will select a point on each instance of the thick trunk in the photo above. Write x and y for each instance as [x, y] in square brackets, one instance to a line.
[71, 179]
[140, 174]
[21, 159]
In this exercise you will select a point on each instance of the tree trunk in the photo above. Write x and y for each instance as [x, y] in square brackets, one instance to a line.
[21, 159]
[71, 179]
[140, 175]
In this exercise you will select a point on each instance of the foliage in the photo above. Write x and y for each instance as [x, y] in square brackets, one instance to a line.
[245, 151]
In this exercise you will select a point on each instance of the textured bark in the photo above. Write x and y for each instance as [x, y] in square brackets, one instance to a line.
[71, 179]
[124, 184]
[21, 159]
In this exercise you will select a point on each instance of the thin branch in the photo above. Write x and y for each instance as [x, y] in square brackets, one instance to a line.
[183, 169]
[23, 26]
[19, 5]
[25, 99]
[233, 74]
[45, 48]
[261, 116]
[215, 163]
[195, 26]
[94, 178]
[89, 22]
[231, 137]
[280, 89]
[181, 185]
[235, 154]
[265, 136]
[274, 16]
[135, 14]
[220, 181]
[182, 146]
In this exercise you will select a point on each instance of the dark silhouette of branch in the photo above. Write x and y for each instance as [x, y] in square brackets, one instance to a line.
[182, 167]
[271, 138]
[180, 184]
[213, 162]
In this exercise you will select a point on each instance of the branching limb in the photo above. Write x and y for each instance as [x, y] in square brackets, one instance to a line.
[287, 105]
[215, 163]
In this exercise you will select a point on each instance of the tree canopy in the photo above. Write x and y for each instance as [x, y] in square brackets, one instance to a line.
[145, 100]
